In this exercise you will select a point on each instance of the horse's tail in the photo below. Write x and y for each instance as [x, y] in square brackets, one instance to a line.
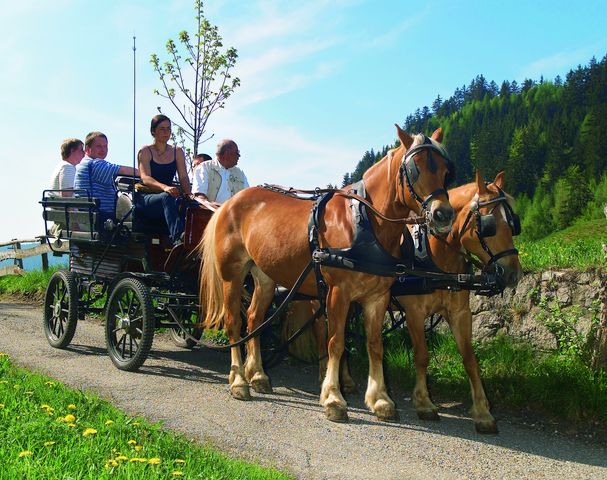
[211, 291]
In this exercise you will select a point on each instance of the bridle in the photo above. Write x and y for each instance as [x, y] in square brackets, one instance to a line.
[486, 226]
[409, 172]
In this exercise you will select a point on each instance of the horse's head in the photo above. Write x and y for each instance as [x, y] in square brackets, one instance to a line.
[487, 227]
[425, 170]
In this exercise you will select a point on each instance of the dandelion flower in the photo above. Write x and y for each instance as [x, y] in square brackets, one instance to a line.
[132, 442]
[24, 453]
[177, 473]
[69, 418]
[71, 425]
[135, 424]
[3, 381]
[121, 457]
[50, 384]
[154, 461]
[138, 447]
[44, 406]
[49, 443]
[179, 460]
[137, 459]
[109, 422]
[16, 386]
[111, 463]
[71, 406]
[89, 431]
[29, 392]
[1, 405]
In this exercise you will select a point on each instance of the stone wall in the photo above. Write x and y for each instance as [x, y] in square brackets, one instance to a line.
[530, 311]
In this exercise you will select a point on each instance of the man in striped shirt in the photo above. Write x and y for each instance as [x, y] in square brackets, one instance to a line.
[95, 175]
[65, 172]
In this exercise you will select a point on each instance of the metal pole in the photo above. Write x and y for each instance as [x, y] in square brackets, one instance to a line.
[134, 109]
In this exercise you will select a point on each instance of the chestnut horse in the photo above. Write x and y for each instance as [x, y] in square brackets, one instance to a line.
[266, 233]
[479, 207]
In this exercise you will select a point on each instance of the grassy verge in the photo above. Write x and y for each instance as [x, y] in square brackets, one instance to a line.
[28, 283]
[50, 431]
[514, 376]
[578, 246]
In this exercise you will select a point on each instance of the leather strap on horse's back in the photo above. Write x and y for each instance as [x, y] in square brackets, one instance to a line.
[314, 243]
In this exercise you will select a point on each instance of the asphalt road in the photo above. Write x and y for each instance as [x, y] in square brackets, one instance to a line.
[187, 390]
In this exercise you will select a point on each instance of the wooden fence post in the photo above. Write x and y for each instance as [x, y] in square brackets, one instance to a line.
[18, 261]
[44, 256]
[600, 358]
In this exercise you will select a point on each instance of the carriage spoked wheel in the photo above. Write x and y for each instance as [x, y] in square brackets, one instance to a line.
[61, 309]
[181, 337]
[129, 324]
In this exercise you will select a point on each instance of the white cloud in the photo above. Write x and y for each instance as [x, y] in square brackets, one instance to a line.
[390, 37]
[559, 62]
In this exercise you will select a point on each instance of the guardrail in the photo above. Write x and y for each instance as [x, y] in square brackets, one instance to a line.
[18, 254]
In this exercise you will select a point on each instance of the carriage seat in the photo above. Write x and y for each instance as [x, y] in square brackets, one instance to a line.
[71, 217]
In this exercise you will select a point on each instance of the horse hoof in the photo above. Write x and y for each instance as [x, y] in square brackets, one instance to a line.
[429, 415]
[385, 411]
[487, 427]
[240, 392]
[336, 413]
[261, 385]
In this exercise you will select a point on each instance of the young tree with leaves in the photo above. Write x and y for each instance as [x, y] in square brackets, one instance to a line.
[196, 79]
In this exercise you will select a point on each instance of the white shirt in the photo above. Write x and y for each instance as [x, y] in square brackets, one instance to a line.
[201, 180]
[63, 177]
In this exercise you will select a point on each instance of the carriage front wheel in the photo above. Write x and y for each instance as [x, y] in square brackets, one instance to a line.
[129, 324]
[61, 309]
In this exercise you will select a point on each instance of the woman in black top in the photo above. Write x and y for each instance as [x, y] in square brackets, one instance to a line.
[158, 164]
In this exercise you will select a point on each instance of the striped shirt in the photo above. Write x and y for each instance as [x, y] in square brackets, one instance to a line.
[97, 177]
[63, 177]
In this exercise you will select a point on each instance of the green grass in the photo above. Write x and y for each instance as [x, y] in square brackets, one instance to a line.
[38, 439]
[514, 376]
[578, 246]
[28, 283]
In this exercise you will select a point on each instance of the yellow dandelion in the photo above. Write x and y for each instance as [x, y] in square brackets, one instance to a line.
[154, 461]
[132, 442]
[24, 453]
[1, 405]
[135, 424]
[177, 473]
[49, 384]
[71, 425]
[89, 431]
[121, 457]
[16, 386]
[69, 418]
[111, 463]
[71, 406]
[3, 381]
[44, 406]
[137, 459]
[109, 422]
[138, 447]
[49, 443]
[179, 460]
[29, 392]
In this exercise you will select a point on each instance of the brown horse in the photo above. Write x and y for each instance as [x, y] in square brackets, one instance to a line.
[266, 233]
[476, 205]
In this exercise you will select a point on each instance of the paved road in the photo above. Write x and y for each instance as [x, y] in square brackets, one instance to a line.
[188, 392]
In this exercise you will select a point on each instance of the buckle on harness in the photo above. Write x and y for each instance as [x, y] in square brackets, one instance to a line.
[319, 256]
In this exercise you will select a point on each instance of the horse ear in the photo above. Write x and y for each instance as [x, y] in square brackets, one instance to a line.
[480, 183]
[404, 137]
[438, 135]
[500, 179]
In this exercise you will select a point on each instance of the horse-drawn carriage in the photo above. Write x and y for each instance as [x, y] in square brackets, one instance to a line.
[337, 247]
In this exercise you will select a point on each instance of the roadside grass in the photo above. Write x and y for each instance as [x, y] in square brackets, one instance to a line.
[50, 431]
[28, 283]
[514, 376]
[578, 246]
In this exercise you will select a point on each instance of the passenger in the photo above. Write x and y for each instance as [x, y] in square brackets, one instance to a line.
[199, 158]
[158, 163]
[72, 152]
[220, 179]
[96, 175]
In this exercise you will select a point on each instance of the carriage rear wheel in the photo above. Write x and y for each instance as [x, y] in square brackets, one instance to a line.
[129, 325]
[182, 337]
[61, 309]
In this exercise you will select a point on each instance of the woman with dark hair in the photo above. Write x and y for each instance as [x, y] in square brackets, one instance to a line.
[158, 164]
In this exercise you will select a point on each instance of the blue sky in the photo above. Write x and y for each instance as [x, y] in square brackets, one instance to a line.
[322, 81]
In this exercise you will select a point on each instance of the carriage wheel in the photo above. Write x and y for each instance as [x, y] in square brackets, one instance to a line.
[129, 324]
[180, 336]
[61, 309]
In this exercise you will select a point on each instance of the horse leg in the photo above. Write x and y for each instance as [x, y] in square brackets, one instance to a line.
[262, 298]
[330, 396]
[425, 409]
[239, 387]
[320, 335]
[461, 326]
[376, 396]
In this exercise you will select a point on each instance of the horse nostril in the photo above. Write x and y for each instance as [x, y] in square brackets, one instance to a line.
[439, 216]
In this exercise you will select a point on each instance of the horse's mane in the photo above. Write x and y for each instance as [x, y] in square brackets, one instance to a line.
[460, 196]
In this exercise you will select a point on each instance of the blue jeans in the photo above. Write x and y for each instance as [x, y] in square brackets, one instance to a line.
[157, 206]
